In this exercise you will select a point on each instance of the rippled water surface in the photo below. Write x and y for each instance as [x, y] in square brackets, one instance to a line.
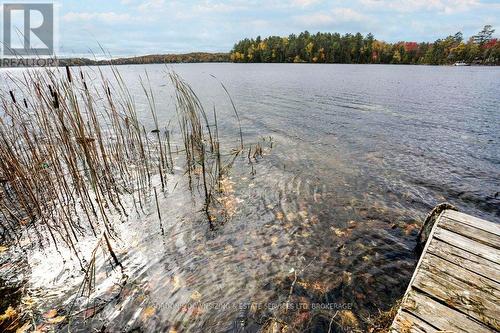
[360, 154]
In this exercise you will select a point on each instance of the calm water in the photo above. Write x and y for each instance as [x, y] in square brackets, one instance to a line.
[360, 154]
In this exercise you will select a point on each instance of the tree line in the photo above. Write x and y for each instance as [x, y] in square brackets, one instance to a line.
[146, 59]
[358, 49]
[151, 59]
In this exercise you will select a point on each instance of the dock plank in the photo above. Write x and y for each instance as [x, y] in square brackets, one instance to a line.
[473, 221]
[441, 316]
[456, 284]
[465, 259]
[466, 230]
[467, 244]
[408, 323]
[460, 289]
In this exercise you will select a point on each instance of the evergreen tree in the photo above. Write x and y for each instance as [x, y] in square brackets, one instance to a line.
[349, 48]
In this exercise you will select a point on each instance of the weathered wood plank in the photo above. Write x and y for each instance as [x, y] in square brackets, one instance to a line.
[441, 316]
[408, 323]
[456, 284]
[470, 232]
[460, 289]
[492, 227]
[465, 259]
[466, 244]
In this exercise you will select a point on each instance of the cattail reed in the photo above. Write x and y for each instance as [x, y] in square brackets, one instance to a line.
[72, 150]
[66, 158]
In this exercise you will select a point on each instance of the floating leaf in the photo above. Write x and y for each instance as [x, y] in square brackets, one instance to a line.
[301, 319]
[346, 278]
[148, 313]
[56, 320]
[195, 296]
[410, 227]
[50, 314]
[279, 216]
[347, 318]
[265, 257]
[338, 232]
[176, 281]
[316, 286]
[9, 314]
[3, 248]
[228, 249]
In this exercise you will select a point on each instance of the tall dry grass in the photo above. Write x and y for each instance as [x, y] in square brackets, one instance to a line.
[72, 148]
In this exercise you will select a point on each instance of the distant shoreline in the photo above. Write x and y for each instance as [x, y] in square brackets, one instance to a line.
[194, 57]
[186, 58]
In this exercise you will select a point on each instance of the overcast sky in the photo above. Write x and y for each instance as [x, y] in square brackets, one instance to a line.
[133, 27]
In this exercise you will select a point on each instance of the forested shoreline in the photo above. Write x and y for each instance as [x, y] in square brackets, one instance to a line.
[194, 57]
[481, 49]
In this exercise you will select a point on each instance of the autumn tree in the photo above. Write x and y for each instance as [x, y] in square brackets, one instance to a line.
[349, 48]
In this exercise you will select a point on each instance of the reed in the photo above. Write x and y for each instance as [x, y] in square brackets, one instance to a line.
[202, 146]
[72, 148]
[68, 153]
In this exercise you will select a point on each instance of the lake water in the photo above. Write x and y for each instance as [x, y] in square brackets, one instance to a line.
[360, 155]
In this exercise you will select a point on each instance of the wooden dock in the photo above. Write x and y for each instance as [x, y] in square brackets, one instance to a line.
[456, 284]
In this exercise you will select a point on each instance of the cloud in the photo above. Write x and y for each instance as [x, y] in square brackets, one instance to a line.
[408, 6]
[332, 17]
[305, 3]
[211, 7]
[151, 5]
[104, 17]
[348, 14]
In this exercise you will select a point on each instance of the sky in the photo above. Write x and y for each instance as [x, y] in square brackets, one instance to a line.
[137, 27]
